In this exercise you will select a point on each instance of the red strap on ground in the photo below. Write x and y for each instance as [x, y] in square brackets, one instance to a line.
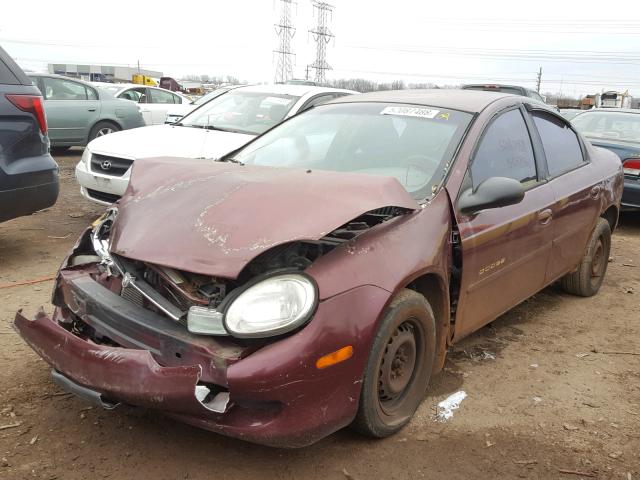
[27, 282]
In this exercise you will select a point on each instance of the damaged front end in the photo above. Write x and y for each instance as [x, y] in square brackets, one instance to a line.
[236, 355]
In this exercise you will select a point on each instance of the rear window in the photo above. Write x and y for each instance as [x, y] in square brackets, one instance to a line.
[560, 143]
[610, 124]
[492, 88]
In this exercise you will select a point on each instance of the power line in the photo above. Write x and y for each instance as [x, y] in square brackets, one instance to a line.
[322, 36]
[524, 55]
[285, 31]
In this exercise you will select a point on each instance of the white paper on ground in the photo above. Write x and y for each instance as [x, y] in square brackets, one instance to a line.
[449, 404]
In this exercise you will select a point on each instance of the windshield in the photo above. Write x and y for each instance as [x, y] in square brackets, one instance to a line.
[242, 111]
[613, 125]
[413, 144]
[210, 96]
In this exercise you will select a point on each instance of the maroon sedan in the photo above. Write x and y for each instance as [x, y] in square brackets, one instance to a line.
[315, 278]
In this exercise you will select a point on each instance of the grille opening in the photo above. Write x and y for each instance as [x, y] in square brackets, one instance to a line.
[103, 196]
[113, 166]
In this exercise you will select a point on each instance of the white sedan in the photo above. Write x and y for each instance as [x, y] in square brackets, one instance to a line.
[154, 102]
[211, 131]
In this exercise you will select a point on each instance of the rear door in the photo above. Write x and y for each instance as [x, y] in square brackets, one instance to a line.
[575, 188]
[505, 250]
[72, 108]
[141, 96]
[161, 102]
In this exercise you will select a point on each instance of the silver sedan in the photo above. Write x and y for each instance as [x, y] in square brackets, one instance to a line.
[77, 112]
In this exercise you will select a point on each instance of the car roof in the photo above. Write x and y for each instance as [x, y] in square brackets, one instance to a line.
[613, 110]
[54, 75]
[295, 90]
[472, 101]
[498, 85]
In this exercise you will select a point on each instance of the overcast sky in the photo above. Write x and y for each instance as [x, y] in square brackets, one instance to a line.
[582, 47]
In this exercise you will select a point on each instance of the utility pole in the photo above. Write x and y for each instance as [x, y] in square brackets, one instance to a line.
[539, 80]
[322, 36]
[285, 31]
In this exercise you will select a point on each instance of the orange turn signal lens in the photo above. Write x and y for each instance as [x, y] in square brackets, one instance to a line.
[345, 353]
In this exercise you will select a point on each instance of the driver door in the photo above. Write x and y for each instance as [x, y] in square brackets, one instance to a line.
[505, 250]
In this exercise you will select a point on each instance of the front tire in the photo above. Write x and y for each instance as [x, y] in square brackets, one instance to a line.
[399, 366]
[103, 128]
[588, 278]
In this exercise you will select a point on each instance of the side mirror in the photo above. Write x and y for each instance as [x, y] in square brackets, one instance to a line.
[494, 192]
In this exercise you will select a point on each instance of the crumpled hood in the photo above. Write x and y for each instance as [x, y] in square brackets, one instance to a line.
[169, 140]
[213, 218]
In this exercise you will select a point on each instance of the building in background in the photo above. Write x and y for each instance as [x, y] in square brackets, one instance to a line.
[101, 73]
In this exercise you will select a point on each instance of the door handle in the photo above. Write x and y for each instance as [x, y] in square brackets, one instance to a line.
[92, 109]
[545, 216]
[595, 192]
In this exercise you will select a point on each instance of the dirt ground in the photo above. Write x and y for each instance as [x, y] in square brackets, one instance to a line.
[543, 393]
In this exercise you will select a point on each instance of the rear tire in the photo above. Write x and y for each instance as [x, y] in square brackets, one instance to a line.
[588, 278]
[399, 366]
[103, 128]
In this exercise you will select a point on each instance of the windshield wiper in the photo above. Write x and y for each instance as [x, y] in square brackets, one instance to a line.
[230, 160]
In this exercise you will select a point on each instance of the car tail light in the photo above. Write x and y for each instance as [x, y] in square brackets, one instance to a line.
[631, 166]
[31, 104]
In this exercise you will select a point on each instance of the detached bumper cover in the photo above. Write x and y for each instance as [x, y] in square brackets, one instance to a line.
[128, 376]
[276, 395]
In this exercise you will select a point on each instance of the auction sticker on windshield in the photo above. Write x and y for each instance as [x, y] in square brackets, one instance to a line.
[410, 112]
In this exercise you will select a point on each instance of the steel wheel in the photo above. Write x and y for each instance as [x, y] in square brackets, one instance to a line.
[397, 366]
[598, 263]
[587, 278]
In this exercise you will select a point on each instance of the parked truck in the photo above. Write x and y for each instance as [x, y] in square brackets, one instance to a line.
[140, 79]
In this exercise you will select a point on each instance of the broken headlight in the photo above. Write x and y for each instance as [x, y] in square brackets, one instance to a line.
[100, 235]
[272, 306]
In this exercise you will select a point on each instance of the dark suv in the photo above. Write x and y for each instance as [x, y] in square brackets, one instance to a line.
[28, 173]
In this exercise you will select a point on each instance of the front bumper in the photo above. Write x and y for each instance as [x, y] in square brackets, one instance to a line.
[276, 395]
[631, 193]
[99, 188]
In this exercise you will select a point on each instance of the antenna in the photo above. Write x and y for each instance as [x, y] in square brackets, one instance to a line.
[321, 35]
[285, 31]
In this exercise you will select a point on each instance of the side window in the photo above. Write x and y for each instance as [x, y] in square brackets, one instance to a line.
[505, 151]
[560, 143]
[59, 89]
[176, 99]
[91, 94]
[138, 95]
[160, 96]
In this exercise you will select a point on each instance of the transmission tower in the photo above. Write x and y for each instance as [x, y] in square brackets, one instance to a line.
[285, 31]
[322, 36]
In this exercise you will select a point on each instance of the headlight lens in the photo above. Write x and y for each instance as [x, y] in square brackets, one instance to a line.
[271, 307]
[86, 156]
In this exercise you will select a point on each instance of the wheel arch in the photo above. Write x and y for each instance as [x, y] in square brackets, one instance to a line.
[103, 120]
[434, 288]
[611, 216]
